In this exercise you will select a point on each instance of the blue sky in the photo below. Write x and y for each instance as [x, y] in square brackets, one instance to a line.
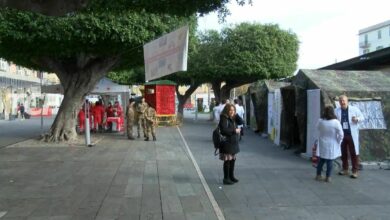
[327, 30]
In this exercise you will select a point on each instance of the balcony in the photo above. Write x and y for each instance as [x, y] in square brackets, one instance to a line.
[364, 44]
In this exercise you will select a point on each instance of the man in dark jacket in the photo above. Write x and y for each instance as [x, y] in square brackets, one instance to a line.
[21, 109]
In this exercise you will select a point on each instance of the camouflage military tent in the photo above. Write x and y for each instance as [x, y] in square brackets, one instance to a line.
[259, 96]
[359, 86]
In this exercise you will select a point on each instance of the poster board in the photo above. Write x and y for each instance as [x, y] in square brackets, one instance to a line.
[167, 54]
[313, 115]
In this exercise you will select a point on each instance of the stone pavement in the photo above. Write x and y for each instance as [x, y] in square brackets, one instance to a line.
[116, 179]
[276, 184]
[122, 179]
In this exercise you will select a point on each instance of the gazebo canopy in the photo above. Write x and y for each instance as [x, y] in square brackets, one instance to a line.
[104, 86]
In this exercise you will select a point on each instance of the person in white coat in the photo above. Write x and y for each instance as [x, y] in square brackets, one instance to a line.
[240, 112]
[330, 135]
[349, 117]
[218, 110]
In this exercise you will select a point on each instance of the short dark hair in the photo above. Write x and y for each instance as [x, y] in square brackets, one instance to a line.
[328, 113]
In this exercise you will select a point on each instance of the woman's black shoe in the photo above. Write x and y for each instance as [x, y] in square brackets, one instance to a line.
[227, 182]
[234, 180]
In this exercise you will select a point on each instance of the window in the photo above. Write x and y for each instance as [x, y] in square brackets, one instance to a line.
[366, 51]
[365, 39]
[379, 34]
[379, 47]
[3, 65]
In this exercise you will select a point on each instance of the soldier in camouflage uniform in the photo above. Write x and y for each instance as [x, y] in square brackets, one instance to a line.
[141, 118]
[130, 110]
[150, 119]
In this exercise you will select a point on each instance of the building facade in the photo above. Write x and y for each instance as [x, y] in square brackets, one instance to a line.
[19, 85]
[374, 38]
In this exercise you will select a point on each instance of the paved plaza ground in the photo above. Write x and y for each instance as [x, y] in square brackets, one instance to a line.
[122, 179]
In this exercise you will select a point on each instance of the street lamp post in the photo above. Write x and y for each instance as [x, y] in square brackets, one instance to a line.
[42, 99]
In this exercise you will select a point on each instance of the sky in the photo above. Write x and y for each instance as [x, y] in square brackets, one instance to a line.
[327, 30]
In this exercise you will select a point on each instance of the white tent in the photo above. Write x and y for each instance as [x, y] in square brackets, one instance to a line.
[104, 86]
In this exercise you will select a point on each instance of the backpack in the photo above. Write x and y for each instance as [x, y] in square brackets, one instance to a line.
[218, 138]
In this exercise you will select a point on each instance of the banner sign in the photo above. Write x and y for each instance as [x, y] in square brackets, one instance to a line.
[313, 115]
[167, 54]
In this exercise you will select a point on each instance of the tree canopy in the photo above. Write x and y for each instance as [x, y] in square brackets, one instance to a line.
[64, 7]
[237, 55]
[27, 38]
[249, 52]
[242, 54]
[83, 46]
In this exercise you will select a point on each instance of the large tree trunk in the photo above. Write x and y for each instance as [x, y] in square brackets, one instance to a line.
[78, 78]
[182, 100]
[217, 90]
[225, 90]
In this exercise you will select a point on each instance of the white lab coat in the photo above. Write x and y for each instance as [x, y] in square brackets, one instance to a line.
[217, 112]
[330, 136]
[352, 111]
[240, 112]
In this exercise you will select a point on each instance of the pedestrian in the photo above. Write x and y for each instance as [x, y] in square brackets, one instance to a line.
[330, 135]
[219, 110]
[21, 109]
[81, 119]
[216, 112]
[240, 112]
[130, 119]
[229, 128]
[211, 109]
[18, 110]
[150, 120]
[98, 113]
[141, 118]
[109, 113]
[349, 117]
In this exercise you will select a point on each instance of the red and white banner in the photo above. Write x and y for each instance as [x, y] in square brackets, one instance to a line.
[35, 112]
[167, 54]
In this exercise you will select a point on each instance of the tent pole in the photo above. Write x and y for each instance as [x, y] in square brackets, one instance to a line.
[87, 129]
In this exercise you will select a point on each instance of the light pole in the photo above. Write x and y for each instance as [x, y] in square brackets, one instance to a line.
[87, 128]
[42, 100]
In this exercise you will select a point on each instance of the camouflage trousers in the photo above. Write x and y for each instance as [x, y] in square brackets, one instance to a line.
[141, 123]
[130, 128]
[150, 130]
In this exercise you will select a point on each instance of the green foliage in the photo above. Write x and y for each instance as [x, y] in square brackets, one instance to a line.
[176, 7]
[27, 37]
[128, 76]
[247, 52]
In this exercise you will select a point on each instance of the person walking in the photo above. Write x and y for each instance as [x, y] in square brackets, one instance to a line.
[349, 117]
[98, 113]
[109, 113]
[330, 135]
[130, 119]
[81, 119]
[240, 111]
[141, 118]
[150, 120]
[21, 109]
[228, 125]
